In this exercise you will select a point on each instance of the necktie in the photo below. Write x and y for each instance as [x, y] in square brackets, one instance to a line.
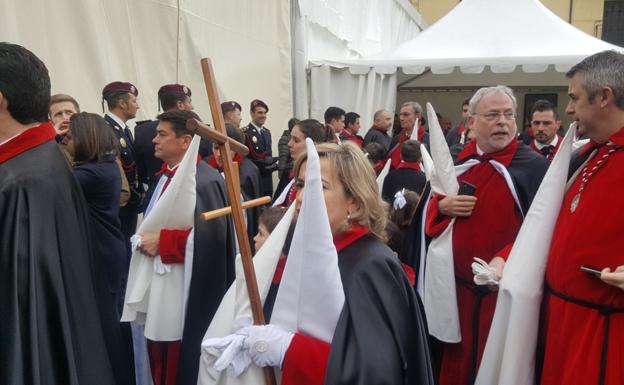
[547, 150]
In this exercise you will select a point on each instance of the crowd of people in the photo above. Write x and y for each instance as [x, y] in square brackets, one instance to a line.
[77, 308]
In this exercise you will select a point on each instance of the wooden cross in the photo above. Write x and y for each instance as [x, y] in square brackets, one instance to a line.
[232, 180]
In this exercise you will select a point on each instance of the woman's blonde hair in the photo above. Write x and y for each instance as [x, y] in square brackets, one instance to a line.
[359, 182]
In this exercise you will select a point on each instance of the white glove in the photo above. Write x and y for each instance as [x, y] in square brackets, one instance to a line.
[230, 352]
[135, 242]
[484, 274]
[159, 267]
[266, 344]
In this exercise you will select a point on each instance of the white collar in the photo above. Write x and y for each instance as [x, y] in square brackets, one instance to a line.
[552, 143]
[117, 119]
[174, 167]
[479, 151]
[257, 128]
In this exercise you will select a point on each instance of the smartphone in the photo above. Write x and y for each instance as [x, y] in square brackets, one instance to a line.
[591, 270]
[466, 188]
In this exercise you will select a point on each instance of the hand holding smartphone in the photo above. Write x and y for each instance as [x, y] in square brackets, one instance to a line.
[591, 270]
[466, 188]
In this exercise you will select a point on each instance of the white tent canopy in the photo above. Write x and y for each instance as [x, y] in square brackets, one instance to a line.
[344, 30]
[501, 35]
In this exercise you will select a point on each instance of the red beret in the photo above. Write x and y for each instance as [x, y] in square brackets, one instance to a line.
[119, 87]
[258, 103]
[230, 106]
[174, 89]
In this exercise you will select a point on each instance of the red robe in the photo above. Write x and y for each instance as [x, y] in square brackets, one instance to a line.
[592, 236]
[346, 135]
[483, 235]
[395, 152]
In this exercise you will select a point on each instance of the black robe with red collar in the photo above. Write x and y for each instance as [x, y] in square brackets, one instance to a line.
[381, 335]
[212, 269]
[58, 319]
[407, 175]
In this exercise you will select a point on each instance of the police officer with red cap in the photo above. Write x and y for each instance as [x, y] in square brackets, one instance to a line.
[121, 99]
[170, 97]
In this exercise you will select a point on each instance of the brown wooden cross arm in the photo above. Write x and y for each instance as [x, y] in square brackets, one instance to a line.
[232, 180]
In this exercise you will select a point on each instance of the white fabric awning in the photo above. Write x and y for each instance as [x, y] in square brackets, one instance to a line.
[500, 34]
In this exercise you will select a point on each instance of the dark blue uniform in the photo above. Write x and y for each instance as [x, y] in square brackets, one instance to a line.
[128, 213]
[260, 152]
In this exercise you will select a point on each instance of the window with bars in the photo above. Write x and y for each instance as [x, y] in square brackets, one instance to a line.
[613, 22]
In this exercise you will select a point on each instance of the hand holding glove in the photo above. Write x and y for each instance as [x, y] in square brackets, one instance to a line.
[483, 273]
[264, 345]
[267, 344]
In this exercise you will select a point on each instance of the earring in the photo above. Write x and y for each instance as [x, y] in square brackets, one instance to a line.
[348, 215]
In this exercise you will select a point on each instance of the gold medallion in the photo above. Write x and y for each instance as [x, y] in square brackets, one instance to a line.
[122, 142]
[254, 139]
[575, 202]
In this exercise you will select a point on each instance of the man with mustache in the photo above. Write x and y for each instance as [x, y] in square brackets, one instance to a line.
[585, 312]
[544, 124]
[506, 175]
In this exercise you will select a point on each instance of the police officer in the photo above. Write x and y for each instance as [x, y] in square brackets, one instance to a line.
[231, 113]
[170, 97]
[258, 140]
[121, 99]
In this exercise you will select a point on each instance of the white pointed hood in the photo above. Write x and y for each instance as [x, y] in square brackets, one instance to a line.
[383, 174]
[235, 306]
[439, 291]
[509, 356]
[444, 180]
[310, 296]
[414, 135]
[157, 300]
[427, 162]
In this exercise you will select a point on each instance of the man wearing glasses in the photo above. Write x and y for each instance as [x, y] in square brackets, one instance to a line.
[545, 123]
[499, 178]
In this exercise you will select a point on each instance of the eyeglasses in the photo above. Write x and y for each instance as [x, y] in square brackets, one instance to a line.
[495, 115]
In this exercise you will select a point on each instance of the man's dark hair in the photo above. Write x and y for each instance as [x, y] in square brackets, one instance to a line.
[60, 98]
[466, 102]
[235, 133]
[178, 119]
[291, 123]
[24, 83]
[258, 103]
[317, 131]
[375, 151]
[113, 100]
[542, 106]
[603, 69]
[410, 151]
[333, 113]
[169, 100]
[93, 139]
[350, 118]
